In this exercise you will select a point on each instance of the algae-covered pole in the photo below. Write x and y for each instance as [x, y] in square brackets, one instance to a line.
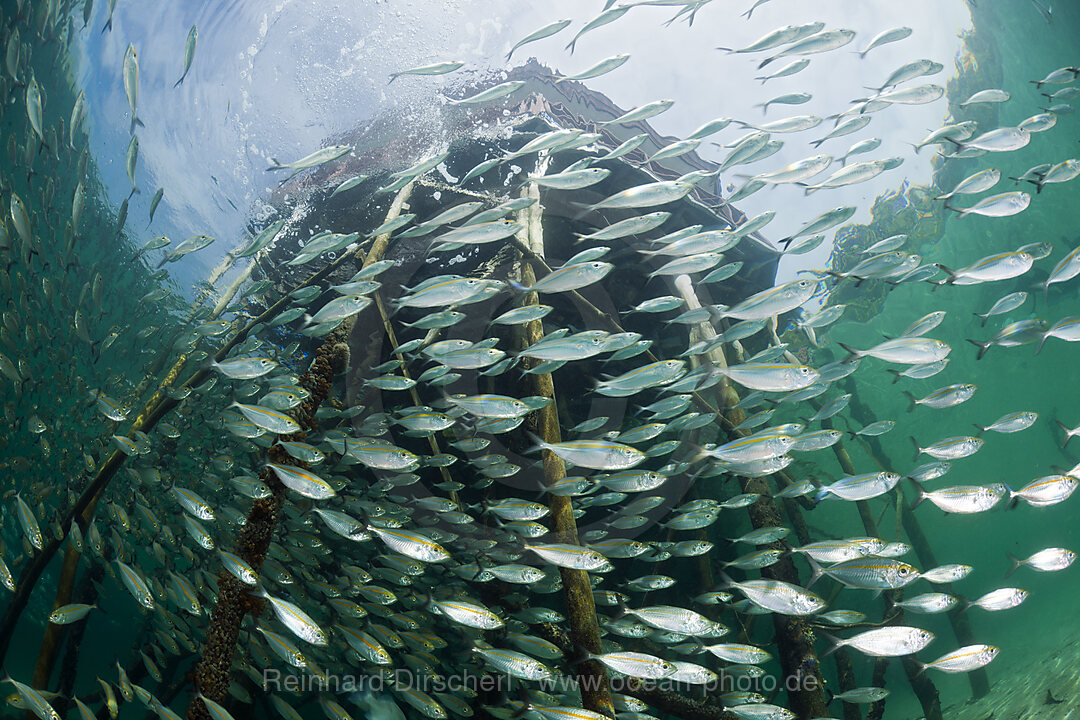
[156, 408]
[50, 641]
[234, 601]
[923, 686]
[667, 701]
[845, 678]
[378, 249]
[212, 676]
[980, 684]
[581, 610]
[69, 665]
[794, 639]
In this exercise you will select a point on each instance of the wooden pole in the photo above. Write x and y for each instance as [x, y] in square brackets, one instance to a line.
[794, 638]
[234, 601]
[923, 686]
[156, 408]
[581, 609]
[53, 635]
[958, 619]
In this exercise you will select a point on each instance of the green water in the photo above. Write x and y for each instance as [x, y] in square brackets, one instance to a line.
[78, 318]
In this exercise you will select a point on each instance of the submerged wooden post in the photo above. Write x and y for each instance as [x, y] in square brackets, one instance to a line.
[921, 685]
[980, 684]
[581, 609]
[234, 601]
[794, 639]
[54, 634]
[155, 409]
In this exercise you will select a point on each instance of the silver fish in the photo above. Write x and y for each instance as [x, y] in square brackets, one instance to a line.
[980, 181]
[890, 641]
[601, 68]
[1048, 560]
[827, 220]
[780, 36]
[648, 195]
[885, 37]
[189, 53]
[965, 659]
[544, 32]
[964, 499]
[1001, 205]
[438, 68]
[819, 43]
[992, 95]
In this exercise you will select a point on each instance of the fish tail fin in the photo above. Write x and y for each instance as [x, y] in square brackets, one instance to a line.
[981, 429]
[949, 272]
[1038, 85]
[580, 655]
[700, 453]
[538, 443]
[621, 607]
[817, 143]
[816, 571]
[918, 450]
[108, 26]
[912, 402]
[917, 148]
[835, 643]
[922, 496]
[984, 318]
[178, 83]
[571, 45]
[1064, 429]
[1042, 340]
[1016, 563]
[725, 580]
[852, 352]
[518, 286]
[983, 347]
[896, 375]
